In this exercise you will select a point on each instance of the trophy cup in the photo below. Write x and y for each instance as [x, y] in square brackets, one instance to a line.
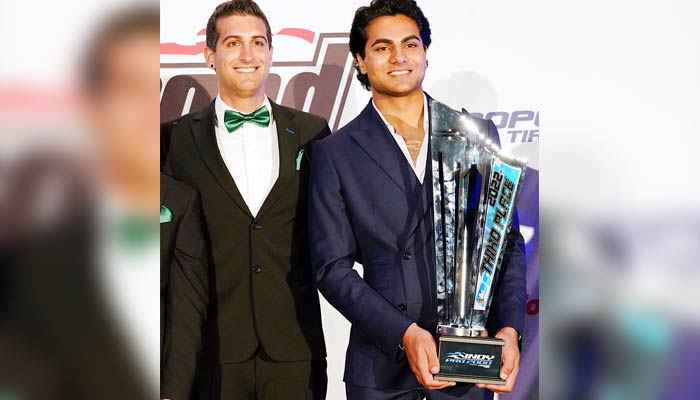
[469, 251]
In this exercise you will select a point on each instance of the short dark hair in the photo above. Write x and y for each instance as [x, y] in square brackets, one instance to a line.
[132, 21]
[383, 8]
[234, 7]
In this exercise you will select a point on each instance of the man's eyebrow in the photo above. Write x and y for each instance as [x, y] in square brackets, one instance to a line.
[387, 41]
[241, 37]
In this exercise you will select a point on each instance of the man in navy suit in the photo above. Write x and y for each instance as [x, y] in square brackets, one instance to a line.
[370, 202]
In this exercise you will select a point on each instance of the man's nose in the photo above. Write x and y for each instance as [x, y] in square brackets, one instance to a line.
[246, 53]
[397, 56]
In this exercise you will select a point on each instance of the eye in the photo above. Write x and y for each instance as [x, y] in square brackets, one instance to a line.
[259, 43]
[232, 43]
[382, 48]
[413, 44]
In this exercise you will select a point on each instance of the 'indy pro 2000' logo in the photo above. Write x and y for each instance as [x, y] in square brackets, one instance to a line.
[477, 360]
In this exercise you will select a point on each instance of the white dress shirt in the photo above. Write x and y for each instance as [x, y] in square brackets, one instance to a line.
[251, 154]
[421, 160]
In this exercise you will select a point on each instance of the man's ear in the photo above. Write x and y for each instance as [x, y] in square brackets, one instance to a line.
[209, 57]
[361, 63]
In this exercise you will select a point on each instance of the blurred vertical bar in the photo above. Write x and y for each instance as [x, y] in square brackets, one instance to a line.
[79, 111]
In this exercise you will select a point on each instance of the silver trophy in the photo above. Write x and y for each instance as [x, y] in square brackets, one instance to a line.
[469, 248]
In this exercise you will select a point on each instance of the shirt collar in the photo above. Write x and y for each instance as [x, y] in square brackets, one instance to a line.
[426, 116]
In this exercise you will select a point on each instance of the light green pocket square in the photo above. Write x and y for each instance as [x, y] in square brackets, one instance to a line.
[299, 157]
[165, 214]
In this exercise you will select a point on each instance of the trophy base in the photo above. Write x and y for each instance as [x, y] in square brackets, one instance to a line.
[470, 359]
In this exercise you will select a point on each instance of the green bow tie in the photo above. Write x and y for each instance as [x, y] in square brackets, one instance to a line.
[234, 120]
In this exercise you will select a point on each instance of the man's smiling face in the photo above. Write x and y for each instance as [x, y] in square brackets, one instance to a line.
[243, 56]
[394, 56]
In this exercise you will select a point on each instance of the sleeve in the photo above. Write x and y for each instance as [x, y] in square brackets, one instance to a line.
[188, 301]
[333, 253]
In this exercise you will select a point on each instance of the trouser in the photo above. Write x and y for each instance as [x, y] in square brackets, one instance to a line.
[262, 378]
[459, 392]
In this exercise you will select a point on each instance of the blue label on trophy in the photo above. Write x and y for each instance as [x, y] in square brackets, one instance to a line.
[502, 187]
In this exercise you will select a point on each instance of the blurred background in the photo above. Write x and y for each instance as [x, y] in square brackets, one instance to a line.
[618, 83]
[620, 214]
[79, 193]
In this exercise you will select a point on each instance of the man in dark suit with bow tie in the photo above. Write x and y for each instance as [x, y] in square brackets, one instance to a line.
[249, 159]
[371, 202]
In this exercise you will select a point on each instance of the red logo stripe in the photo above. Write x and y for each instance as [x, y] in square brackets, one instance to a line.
[198, 48]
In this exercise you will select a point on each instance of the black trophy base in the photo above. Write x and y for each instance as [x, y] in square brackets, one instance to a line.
[470, 359]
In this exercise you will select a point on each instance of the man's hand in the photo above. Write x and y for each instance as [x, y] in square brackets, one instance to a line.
[422, 356]
[510, 361]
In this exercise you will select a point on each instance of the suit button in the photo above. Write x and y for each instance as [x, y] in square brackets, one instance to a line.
[255, 226]
[407, 255]
[402, 307]
[257, 269]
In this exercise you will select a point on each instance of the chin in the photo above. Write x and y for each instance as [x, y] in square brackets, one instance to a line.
[248, 88]
[402, 92]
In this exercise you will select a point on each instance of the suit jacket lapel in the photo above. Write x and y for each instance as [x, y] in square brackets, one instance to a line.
[428, 178]
[163, 189]
[376, 140]
[205, 138]
[288, 134]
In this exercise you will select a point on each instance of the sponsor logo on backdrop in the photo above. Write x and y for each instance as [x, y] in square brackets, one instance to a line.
[521, 126]
[477, 360]
[319, 85]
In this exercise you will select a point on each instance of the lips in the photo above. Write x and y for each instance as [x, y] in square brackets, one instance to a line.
[400, 72]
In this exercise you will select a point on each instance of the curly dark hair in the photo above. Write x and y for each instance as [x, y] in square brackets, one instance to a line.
[382, 8]
[234, 7]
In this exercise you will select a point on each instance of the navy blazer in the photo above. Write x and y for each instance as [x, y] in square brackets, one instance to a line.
[367, 206]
